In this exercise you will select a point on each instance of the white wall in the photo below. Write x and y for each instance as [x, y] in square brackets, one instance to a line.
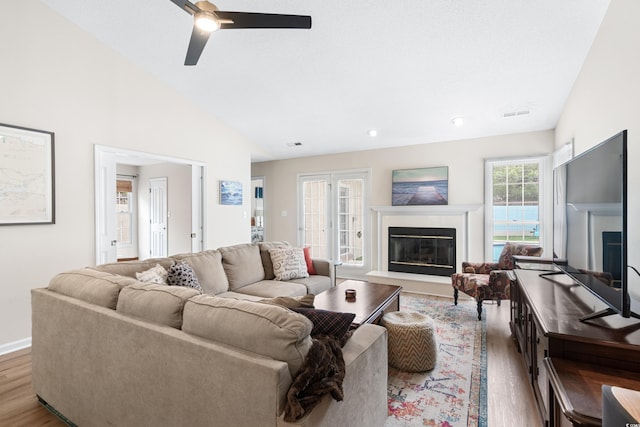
[465, 159]
[57, 78]
[606, 99]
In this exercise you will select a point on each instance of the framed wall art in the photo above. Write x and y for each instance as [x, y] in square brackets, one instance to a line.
[231, 193]
[424, 186]
[27, 191]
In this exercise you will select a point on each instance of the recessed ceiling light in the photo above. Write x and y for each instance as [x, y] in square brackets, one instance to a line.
[372, 133]
[457, 121]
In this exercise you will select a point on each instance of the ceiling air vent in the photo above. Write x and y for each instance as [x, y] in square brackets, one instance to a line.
[517, 113]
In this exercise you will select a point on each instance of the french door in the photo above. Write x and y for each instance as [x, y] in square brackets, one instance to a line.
[333, 219]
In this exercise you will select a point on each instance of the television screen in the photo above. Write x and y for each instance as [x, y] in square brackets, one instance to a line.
[590, 222]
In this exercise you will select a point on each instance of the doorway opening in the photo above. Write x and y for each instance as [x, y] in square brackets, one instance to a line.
[184, 214]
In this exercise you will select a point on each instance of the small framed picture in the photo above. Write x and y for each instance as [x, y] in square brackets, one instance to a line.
[231, 193]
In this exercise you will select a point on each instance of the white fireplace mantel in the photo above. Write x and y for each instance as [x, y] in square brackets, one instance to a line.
[460, 211]
[426, 210]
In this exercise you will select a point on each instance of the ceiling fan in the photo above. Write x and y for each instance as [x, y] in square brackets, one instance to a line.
[207, 19]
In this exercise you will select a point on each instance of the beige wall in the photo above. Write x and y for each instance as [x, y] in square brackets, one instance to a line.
[57, 78]
[465, 159]
[606, 99]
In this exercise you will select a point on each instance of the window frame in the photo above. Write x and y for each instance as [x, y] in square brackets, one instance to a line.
[544, 194]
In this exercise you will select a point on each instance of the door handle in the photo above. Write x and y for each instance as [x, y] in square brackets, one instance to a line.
[114, 243]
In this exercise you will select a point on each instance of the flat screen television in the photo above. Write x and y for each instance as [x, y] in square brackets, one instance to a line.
[590, 223]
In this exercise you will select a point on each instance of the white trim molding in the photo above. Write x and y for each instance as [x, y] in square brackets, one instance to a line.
[460, 211]
[15, 346]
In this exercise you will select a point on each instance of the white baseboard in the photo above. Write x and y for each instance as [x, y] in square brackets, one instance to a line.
[15, 346]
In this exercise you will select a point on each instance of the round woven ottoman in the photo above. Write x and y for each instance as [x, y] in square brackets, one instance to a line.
[411, 339]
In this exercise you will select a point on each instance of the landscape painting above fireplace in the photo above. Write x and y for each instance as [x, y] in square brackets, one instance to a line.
[424, 186]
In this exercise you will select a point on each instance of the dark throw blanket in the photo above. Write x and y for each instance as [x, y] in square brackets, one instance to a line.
[322, 373]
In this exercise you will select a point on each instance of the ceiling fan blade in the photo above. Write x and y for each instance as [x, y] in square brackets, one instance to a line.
[187, 6]
[263, 20]
[198, 40]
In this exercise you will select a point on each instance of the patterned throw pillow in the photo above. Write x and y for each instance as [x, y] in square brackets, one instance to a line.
[505, 262]
[155, 274]
[325, 322]
[288, 263]
[181, 274]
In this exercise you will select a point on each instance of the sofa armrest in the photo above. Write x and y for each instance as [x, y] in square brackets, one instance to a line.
[365, 385]
[479, 267]
[323, 267]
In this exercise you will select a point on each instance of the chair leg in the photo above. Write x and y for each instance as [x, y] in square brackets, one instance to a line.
[480, 309]
[499, 301]
[455, 296]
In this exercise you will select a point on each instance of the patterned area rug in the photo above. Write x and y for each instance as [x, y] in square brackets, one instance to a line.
[454, 393]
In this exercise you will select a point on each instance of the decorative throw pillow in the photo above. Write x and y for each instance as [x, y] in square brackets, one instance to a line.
[181, 274]
[155, 274]
[325, 322]
[292, 302]
[288, 263]
[307, 258]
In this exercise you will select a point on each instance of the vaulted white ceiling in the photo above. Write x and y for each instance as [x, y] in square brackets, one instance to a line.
[404, 68]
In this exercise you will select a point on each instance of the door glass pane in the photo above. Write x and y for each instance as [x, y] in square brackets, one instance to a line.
[351, 221]
[315, 217]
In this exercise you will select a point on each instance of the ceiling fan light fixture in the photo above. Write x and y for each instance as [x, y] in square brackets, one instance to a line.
[206, 21]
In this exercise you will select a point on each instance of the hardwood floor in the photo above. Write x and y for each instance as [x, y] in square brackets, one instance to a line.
[18, 405]
[509, 396]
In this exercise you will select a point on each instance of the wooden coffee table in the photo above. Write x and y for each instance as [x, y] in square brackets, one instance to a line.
[372, 300]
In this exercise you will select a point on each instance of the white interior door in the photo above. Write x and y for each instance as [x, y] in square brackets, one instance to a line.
[158, 217]
[105, 205]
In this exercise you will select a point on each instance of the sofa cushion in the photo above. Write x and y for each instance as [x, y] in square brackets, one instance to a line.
[92, 286]
[208, 268]
[315, 284]
[181, 274]
[269, 330]
[130, 268]
[156, 274]
[273, 288]
[242, 264]
[266, 256]
[292, 302]
[155, 303]
[288, 263]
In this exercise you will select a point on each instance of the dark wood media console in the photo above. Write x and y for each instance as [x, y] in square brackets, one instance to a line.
[568, 360]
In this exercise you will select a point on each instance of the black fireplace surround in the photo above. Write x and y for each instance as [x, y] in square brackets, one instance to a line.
[422, 250]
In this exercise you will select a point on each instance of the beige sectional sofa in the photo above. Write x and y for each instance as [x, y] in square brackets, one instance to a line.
[109, 350]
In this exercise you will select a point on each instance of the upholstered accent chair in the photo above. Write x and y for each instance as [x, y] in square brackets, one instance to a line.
[490, 280]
